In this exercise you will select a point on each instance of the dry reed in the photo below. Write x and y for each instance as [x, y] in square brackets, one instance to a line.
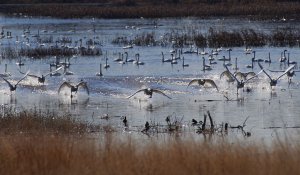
[33, 142]
[82, 155]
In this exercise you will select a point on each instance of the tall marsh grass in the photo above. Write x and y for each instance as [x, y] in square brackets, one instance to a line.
[82, 155]
[35, 142]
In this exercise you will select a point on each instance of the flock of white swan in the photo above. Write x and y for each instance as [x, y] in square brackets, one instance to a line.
[230, 72]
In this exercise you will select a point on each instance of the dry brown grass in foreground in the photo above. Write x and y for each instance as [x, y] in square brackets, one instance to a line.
[32, 142]
[81, 155]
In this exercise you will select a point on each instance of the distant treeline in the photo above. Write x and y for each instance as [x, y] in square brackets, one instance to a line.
[153, 9]
[132, 2]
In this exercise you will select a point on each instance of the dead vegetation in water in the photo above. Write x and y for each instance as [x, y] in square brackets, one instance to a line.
[37, 122]
[214, 38]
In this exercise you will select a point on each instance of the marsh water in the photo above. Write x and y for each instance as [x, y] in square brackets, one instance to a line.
[269, 110]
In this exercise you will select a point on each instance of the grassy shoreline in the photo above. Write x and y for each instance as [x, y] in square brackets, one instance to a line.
[256, 10]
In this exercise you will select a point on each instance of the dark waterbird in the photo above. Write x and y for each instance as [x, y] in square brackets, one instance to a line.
[149, 92]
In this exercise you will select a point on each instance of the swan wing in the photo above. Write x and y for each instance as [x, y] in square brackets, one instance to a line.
[255, 75]
[136, 93]
[231, 73]
[262, 68]
[84, 85]
[227, 74]
[22, 78]
[160, 92]
[30, 75]
[9, 84]
[193, 81]
[65, 84]
[286, 71]
[250, 74]
[240, 75]
[54, 71]
[275, 70]
[212, 83]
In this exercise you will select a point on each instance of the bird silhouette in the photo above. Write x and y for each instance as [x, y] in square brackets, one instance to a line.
[74, 88]
[203, 82]
[42, 78]
[149, 92]
[14, 87]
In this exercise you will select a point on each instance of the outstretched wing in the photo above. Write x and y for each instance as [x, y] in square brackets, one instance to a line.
[240, 75]
[286, 71]
[136, 93]
[231, 73]
[275, 70]
[262, 68]
[227, 74]
[10, 85]
[160, 92]
[22, 78]
[65, 84]
[193, 81]
[212, 83]
[255, 75]
[30, 75]
[54, 71]
[251, 74]
[83, 85]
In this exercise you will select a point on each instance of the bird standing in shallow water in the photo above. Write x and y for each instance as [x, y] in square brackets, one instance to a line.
[149, 92]
[74, 88]
[203, 82]
[14, 87]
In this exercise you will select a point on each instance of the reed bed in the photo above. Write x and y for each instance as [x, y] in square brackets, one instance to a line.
[135, 9]
[45, 154]
[217, 38]
[36, 122]
[42, 52]
[35, 142]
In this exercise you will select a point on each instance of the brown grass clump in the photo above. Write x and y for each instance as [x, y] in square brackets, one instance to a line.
[38, 122]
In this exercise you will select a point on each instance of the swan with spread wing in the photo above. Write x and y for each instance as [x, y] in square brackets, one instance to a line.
[42, 78]
[74, 88]
[149, 92]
